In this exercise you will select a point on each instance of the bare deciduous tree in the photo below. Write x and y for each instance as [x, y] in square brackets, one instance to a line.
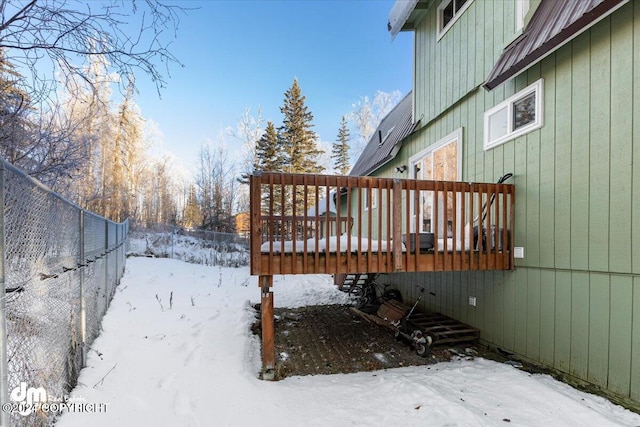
[217, 188]
[248, 131]
[366, 116]
[51, 42]
[131, 35]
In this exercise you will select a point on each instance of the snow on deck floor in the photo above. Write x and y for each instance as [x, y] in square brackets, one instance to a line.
[196, 364]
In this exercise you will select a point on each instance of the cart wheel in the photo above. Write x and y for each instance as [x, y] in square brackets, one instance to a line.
[429, 339]
[422, 350]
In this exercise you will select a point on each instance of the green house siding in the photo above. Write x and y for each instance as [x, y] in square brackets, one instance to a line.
[447, 69]
[573, 302]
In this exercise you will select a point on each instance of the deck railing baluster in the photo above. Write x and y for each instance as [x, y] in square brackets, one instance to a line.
[281, 233]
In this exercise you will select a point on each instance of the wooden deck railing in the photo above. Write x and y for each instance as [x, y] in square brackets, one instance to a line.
[306, 224]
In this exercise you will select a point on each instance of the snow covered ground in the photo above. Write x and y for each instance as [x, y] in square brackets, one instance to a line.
[176, 350]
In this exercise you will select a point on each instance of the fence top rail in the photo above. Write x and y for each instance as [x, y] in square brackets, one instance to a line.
[4, 165]
[317, 180]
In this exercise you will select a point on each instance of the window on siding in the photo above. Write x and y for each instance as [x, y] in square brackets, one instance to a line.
[520, 114]
[370, 203]
[441, 161]
[522, 7]
[448, 13]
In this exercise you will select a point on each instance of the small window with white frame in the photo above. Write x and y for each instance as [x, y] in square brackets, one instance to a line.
[515, 116]
[448, 13]
[370, 203]
[522, 7]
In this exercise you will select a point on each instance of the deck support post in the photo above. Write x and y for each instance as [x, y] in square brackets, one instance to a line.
[268, 335]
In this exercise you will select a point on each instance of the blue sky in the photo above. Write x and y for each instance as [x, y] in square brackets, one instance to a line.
[239, 54]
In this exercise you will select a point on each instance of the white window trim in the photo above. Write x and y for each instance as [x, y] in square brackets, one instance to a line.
[536, 88]
[374, 199]
[456, 135]
[522, 7]
[444, 3]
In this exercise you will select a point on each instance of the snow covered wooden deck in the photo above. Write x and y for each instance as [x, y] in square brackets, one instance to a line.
[309, 224]
[322, 224]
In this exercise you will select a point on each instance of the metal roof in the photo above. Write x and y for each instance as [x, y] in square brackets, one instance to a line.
[553, 24]
[387, 139]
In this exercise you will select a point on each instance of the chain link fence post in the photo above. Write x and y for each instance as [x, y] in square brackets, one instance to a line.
[4, 383]
[83, 303]
[106, 264]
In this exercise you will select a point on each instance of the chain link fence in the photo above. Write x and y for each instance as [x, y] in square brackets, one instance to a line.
[195, 246]
[60, 265]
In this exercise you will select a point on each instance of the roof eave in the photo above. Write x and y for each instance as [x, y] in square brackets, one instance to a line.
[404, 14]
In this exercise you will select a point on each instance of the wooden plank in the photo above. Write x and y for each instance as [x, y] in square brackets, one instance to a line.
[327, 214]
[513, 229]
[620, 335]
[521, 311]
[635, 142]
[498, 307]
[472, 198]
[279, 226]
[547, 316]
[508, 310]
[455, 229]
[600, 134]
[546, 138]
[271, 224]
[407, 198]
[434, 224]
[305, 224]
[621, 153]
[579, 323]
[349, 225]
[580, 172]
[598, 366]
[532, 217]
[388, 210]
[294, 223]
[562, 323]
[487, 304]
[635, 339]
[495, 244]
[255, 224]
[360, 209]
[328, 265]
[380, 200]
[370, 181]
[417, 226]
[283, 226]
[397, 225]
[562, 172]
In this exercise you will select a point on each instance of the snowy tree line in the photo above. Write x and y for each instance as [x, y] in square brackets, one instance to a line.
[62, 65]
[77, 128]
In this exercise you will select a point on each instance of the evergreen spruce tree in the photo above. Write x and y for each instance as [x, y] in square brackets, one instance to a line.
[340, 149]
[298, 138]
[299, 145]
[270, 158]
[269, 155]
